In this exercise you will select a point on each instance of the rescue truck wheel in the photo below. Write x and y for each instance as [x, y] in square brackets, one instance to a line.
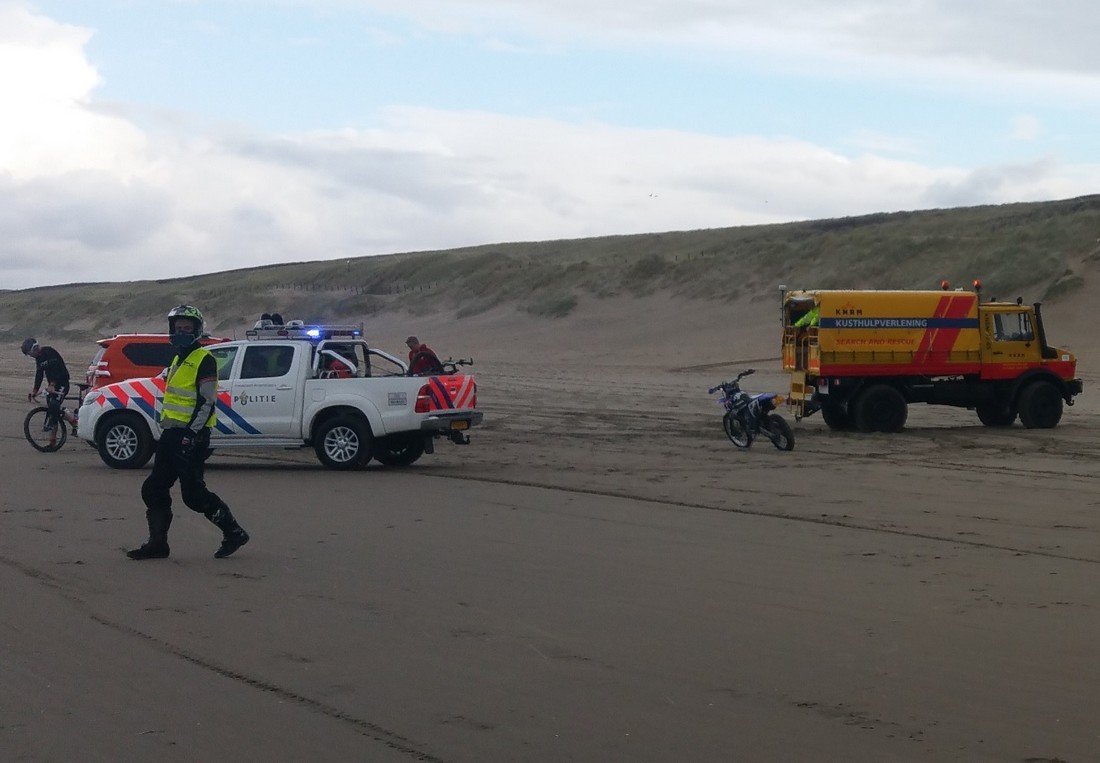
[124, 441]
[399, 450]
[835, 417]
[880, 408]
[1040, 405]
[996, 414]
[343, 442]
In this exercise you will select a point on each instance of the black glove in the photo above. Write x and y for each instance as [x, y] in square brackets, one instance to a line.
[187, 443]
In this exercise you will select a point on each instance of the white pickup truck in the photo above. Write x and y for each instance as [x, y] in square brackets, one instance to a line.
[298, 386]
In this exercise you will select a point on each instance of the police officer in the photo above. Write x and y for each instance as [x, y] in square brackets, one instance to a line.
[186, 418]
[49, 366]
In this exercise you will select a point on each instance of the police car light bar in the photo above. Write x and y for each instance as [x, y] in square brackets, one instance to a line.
[298, 330]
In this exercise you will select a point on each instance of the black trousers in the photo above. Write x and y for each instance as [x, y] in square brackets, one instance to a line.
[171, 464]
[54, 400]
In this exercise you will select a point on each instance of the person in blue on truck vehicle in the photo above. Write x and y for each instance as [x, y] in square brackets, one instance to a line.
[186, 418]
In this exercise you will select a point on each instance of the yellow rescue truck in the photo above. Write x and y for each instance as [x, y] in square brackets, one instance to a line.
[860, 358]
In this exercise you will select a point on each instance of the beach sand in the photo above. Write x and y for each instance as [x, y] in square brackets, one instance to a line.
[599, 575]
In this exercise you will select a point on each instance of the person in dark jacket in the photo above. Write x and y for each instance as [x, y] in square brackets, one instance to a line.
[186, 418]
[422, 361]
[49, 367]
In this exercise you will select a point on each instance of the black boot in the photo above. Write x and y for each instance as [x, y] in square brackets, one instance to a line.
[233, 535]
[231, 543]
[157, 545]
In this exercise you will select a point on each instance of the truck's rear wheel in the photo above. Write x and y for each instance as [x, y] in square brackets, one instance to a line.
[835, 417]
[880, 408]
[399, 449]
[996, 414]
[343, 442]
[1040, 405]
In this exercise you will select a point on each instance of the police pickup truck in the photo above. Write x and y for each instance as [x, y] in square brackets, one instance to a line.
[297, 386]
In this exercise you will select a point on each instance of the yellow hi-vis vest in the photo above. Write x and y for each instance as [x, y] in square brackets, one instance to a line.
[181, 389]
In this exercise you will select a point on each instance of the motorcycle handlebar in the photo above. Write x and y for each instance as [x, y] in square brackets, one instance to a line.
[740, 376]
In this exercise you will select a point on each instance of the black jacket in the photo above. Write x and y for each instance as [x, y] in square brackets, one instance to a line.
[51, 365]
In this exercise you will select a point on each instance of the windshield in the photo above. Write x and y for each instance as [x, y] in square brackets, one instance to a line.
[1012, 327]
[224, 356]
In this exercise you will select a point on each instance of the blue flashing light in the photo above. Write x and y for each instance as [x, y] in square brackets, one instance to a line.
[314, 333]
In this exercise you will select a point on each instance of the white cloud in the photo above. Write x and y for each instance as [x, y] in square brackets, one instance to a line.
[85, 194]
[878, 142]
[1026, 128]
[1054, 36]
[45, 87]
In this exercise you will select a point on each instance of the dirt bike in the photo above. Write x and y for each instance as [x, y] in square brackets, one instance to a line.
[451, 365]
[750, 415]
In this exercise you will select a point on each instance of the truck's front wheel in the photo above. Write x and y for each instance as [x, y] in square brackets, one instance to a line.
[343, 442]
[880, 408]
[124, 441]
[1040, 406]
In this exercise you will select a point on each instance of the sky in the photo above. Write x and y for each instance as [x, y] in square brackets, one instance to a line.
[152, 139]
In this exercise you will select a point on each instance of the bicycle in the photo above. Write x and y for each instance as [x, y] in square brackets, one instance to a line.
[42, 434]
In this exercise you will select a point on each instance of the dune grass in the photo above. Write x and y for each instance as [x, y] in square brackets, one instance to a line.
[1027, 249]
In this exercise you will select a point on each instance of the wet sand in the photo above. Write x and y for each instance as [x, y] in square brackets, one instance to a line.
[600, 575]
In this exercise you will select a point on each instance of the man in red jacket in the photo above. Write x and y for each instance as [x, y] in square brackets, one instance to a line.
[422, 361]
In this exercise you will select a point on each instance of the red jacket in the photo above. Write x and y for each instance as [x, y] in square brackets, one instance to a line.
[422, 361]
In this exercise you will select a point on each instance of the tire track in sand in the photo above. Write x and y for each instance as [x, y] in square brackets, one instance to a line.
[373, 731]
[767, 514]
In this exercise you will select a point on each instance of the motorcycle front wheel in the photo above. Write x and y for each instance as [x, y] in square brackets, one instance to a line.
[737, 432]
[779, 432]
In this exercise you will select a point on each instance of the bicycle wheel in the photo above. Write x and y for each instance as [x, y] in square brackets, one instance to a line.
[46, 441]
